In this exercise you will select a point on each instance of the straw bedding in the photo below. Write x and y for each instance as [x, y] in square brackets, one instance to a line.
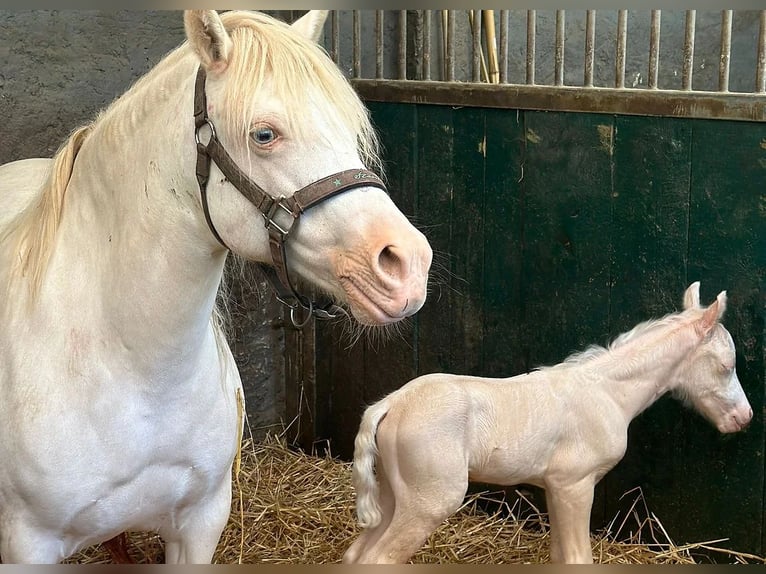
[291, 507]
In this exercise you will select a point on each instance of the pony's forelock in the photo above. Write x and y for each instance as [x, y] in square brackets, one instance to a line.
[298, 69]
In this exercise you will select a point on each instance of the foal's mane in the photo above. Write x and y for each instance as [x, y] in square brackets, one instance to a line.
[262, 47]
[641, 330]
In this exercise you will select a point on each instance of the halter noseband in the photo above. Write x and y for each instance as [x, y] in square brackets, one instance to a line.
[280, 213]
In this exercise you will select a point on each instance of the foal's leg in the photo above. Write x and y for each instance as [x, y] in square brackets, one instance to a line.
[194, 536]
[569, 508]
[370, 536]
[422, 503]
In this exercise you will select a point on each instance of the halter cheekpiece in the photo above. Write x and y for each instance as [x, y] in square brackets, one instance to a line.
[280, 213]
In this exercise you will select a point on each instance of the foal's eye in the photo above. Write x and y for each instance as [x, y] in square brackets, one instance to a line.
[263, 135]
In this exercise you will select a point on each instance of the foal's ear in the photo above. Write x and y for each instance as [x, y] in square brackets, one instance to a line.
[713, 314]
[692, 296]
[310, 25]
[208, 38]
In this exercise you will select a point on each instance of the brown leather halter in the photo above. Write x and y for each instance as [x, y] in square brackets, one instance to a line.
[280, 213]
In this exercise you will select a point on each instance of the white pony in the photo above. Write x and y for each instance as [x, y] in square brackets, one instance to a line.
[119, 396]
[561, 428]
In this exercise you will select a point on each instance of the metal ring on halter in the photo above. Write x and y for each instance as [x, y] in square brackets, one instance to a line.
[308, 316]
[208, 123]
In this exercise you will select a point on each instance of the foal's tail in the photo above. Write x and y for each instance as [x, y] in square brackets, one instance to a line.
[363, 473]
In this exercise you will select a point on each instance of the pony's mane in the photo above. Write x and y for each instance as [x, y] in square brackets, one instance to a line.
[261, 45]
[641, 330]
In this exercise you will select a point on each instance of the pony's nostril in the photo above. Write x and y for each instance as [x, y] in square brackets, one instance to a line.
[390, 263]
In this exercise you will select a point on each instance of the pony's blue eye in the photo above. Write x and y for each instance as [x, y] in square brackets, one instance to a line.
[263, 135]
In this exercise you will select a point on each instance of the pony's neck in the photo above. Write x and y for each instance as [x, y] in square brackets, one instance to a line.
[640, 371]
[132, 226]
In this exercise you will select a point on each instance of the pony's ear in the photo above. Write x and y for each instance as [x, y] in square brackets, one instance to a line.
[311, 24]
[692, 296]
[713, 314]
[208, 38]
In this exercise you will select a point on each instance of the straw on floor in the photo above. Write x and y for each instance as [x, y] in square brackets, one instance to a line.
[294, 508]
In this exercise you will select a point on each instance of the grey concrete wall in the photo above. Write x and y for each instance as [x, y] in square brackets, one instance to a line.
[57, 70]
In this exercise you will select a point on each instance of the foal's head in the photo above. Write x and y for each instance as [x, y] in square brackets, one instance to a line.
[710, 383]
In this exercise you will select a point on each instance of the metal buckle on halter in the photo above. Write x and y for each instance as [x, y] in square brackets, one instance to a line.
[272, 224]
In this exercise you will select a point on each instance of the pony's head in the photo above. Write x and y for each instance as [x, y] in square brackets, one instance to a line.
[287, 118]
[709, 382]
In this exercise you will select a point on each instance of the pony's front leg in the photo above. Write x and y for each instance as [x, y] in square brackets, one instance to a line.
[21, 543]
[569, 510]
[194, 536]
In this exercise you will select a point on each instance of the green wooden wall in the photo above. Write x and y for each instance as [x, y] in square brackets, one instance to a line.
[555, 230]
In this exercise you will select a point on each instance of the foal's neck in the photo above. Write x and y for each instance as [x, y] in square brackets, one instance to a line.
[640, 371]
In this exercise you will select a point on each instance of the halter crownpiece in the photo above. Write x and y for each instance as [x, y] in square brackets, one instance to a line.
[280, 213]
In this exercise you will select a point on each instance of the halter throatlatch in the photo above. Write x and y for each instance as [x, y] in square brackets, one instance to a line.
[280, 213]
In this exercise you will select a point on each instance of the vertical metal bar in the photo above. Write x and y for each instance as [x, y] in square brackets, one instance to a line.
[619, 60]
[503, 46]
[760, 72]
[357, 44]
[335, 48]
[590, 47]
[402, 44]
[723, 68]
[426, 44]
[558, 67]
[688, 71]
[654, 49]
[379, 44]
[531, 32]
[450, 60]
[475, 45]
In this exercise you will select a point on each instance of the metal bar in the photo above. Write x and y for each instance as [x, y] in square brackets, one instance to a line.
[654, 49]
[723, 68]
[531, 32]
[417, 45]
[379, 44]
[357, 45]
[590, 47]
[475, 17]
[402, 44]
[503, 46]
[426, 44]
[760, 72]
[558, 68]
[627, 101]
[619, 60]
[686, 78]
[335, 47]
[450, 59]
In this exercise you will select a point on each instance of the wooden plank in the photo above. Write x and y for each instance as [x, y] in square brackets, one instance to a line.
[573, 99]
[567, 187]
[727, 250]
[650, 218]
[503, 221]
[466, 246]
[434, 181]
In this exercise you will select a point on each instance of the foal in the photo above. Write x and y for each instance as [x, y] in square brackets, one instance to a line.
[561, 428]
